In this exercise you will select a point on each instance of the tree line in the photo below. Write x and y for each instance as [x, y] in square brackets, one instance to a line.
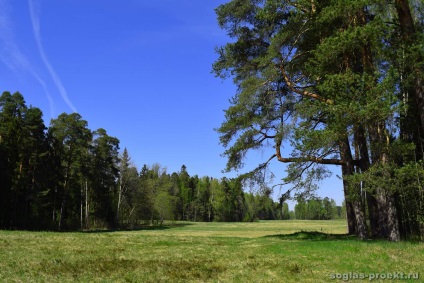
[68, 177]
[319, 209]
[332, 83]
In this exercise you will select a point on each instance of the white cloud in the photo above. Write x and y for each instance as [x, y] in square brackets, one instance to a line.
[11, 55]
[35, 20]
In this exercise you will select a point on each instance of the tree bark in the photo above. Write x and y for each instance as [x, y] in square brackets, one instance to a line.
[382, 210]
[86, 204]
[355, 196]
[63, 202]
[408, 31]
[388, 222]
[118, 208]
[364, 165]
[81, 206]
[350, 213]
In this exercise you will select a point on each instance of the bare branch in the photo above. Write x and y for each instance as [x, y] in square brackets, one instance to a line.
[306, 93]
[320, 160]
[265, 164]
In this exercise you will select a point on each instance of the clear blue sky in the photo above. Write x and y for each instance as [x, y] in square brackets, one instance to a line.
[140, 69]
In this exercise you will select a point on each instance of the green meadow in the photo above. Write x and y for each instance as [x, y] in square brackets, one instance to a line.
[264, 251]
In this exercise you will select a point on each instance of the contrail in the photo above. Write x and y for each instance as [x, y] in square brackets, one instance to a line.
[11, 55]
[36, 28]
[49, 97]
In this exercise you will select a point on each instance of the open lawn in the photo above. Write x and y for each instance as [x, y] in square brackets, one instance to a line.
[265, 251]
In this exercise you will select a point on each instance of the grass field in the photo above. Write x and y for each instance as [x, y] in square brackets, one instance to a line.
[265, 251]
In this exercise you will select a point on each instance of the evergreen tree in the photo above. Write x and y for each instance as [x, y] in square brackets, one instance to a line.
[128, 186]
[105, 174]
[185, 193]
[70, 140]
[319, 75]
[23, 150]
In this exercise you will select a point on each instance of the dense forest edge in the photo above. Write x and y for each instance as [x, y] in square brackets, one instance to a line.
[68, 177]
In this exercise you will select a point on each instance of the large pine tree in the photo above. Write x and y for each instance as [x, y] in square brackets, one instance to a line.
[318, 76]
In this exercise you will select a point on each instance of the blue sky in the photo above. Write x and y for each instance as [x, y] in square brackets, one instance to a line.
[140, 69]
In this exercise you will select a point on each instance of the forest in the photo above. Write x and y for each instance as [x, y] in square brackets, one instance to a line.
[68, 177]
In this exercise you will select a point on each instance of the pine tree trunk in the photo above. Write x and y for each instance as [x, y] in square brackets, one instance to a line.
[388, 222]
[63, 202]
[393, 221]
[81, 206]
[86, 204]
[355, 196]
[119, 202]
[373, 214]
[65, 186]
[412, 120]
[54, 206]
[408, 31]
[381, 210]
[364, 165]
[357, 215]
[350, 216]
[350, 213]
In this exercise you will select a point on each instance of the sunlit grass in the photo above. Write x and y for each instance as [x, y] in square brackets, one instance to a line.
[266, 251]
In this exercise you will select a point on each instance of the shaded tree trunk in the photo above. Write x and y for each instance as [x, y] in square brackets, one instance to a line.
[350, 213]
[86, 225]
[364, 165]
[408, 31]
[354, 196]
[388, 222]
[64, 195]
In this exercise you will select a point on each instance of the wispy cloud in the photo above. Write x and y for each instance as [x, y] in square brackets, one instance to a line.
[11, 55]
[49, 97]
[35, 20]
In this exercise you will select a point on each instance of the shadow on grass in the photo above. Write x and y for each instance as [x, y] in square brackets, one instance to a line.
[313, 236]
[139, 228]
[320, 236]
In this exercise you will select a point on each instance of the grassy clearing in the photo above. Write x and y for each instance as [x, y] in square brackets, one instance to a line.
[266, 251]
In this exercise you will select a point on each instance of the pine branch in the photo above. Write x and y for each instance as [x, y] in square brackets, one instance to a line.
[315, 159]
[306, 93]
